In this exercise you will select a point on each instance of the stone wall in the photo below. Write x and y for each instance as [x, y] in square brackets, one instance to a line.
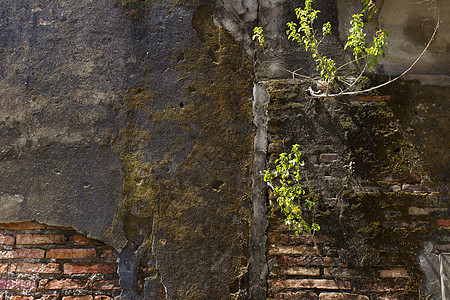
[383, 197]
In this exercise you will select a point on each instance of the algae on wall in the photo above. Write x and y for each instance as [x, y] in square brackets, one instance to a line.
[186, 156]
[382, 207]
[132, 121]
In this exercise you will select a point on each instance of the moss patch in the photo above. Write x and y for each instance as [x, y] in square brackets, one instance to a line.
[194, 184]
[385, 239]
[378, 144]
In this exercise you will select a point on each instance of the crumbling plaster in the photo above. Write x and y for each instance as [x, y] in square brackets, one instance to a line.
[97, 96]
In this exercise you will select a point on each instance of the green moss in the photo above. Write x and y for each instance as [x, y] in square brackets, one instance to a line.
[397, 242]
[378, 143]
[422, 113]
[140, 188]
[210, 145]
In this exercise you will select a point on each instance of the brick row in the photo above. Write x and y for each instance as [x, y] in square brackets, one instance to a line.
[55, 253]
[42, 268]
[278, 284]
[57, 297]
[44, 261]
[17, 285]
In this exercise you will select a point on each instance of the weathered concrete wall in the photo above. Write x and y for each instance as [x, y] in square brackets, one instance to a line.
[410, 25]
[131, 121]
[64, 72]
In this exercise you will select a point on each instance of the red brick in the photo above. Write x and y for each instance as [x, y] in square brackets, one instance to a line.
[50, 297]
[310, 261]
[22, 253]
[371, 98]
[442, 248]
[17, 284]
[346, 273]
[3, 268]
[21, 298]
[400, 224]
[295, 250]
[397, 273]
[417, 188]
[71, 253]
[107, 254]
[409, 178]
[86, 297]
[43, 268]
[103, 297]
[22, 226]
[341, 296]
[328, 157]
[297, 271]
[106, 285]
[396, 297]
[291, 239]
[65, 284]
[277, 284]
[82, 240]
[424, 210]
[295, 296]
[81, 268]
[443, 222]
[381, 286]
[39, 239]
[6, 240]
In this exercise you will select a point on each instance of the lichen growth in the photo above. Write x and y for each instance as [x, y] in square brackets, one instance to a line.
[399, 136]
[195, 186]
[378, 143]
[395, 239]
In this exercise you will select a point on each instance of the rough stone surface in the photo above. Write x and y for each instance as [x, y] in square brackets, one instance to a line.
[132, 122]
[62, 73]
[366, 151]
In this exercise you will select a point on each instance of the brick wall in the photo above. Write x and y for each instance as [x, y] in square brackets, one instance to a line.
[374, 216]
[38, 261]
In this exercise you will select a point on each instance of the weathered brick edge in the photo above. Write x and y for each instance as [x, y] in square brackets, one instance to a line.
[38, 261]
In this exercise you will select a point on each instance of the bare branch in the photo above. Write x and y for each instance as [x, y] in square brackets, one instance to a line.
[356, 80]
[352, 61]
[323, 95]
[294, 73]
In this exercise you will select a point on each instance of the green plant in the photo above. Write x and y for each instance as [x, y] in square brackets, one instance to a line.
[294, 200]
[365, 54]
[305, 34]
[258, 35]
